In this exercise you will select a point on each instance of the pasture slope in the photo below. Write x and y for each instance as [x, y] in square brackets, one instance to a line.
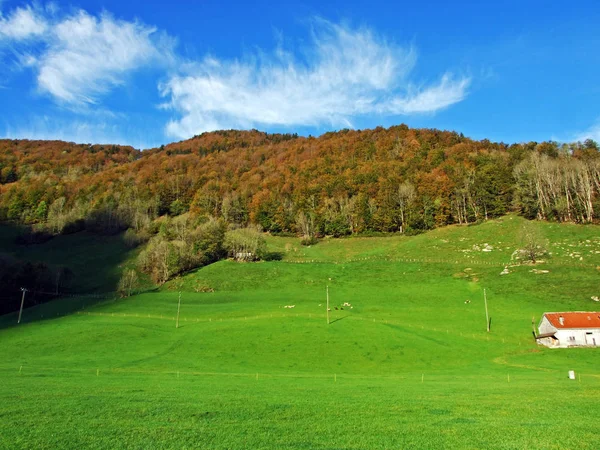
[409, 365]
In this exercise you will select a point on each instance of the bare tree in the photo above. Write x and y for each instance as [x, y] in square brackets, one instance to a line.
[129, 282]
[533, 244]
[405, 196]
[306, 224]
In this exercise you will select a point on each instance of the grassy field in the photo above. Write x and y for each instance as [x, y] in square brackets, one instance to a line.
[409, 365]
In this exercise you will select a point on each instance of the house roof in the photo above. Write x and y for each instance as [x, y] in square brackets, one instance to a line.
[576, 319]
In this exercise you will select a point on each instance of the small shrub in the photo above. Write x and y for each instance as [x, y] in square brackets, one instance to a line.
[413, 231]
[309, 241]
[273, 256]
[202, 287]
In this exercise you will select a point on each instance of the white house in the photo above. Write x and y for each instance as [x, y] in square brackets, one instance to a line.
[569, 329]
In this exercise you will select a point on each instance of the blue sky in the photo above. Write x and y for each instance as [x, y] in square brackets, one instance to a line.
[144, 74]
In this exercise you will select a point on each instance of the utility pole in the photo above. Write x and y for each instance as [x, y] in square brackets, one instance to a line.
[178, 308]
[22, 303]
[487, 317]
[327, 305]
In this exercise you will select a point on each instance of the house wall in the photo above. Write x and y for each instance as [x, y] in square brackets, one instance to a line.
[546, 326]
[549, 342]
[578, 337]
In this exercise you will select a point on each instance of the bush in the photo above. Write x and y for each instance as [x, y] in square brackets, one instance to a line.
[309, 241]
[337, 228]
[273, 256]
[410, 231]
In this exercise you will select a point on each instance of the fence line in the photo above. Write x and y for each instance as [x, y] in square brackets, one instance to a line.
[415, 376]
[433, 261]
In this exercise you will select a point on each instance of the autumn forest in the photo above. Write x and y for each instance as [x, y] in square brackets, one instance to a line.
[196, 200]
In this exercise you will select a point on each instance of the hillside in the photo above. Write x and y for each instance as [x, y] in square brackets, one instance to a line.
[175, 206]
[409, 364]
[27, 159]
[348, 182]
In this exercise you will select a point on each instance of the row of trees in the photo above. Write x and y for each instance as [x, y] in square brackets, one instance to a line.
[562, 188]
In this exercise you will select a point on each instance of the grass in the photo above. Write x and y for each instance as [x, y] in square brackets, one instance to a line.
[409, 366]
[97, 262]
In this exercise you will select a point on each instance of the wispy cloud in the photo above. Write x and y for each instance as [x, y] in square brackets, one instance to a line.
[23, 23]
[592, 132]
[80, 57]
[346, 72]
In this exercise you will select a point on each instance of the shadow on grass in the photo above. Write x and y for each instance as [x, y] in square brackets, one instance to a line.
[95, 263]
[65, 305]
[338, 319]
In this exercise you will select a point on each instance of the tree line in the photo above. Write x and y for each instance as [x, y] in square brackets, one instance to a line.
[349, 182]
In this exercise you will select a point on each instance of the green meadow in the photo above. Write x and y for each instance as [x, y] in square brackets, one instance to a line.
[409, 364]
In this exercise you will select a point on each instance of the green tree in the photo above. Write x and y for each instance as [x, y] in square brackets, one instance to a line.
[177, 207]
[41, 212]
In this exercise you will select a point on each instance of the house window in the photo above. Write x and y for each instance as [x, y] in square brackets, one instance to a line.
[571, 338]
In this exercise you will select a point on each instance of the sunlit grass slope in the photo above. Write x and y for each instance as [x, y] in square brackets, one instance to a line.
[408, 365]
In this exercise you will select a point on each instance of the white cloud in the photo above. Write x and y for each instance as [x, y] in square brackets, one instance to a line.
[80, 57]
[23, 23]
[88, 56]
[345, 73]
[447, 92]
[592, 132]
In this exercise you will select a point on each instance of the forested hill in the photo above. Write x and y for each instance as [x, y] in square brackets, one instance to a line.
[396, 179]
[24, 159]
